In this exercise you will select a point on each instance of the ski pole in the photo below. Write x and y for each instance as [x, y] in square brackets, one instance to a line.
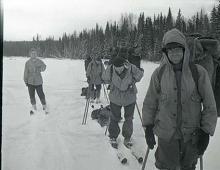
[148, 149]
[106, 130]
[86, 106]
[87, 111]
[145, 158]
[107, 127]
[201, 162]
[139, 113]
[106, 95]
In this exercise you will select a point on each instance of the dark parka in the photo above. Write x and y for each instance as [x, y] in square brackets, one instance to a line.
[160, 103]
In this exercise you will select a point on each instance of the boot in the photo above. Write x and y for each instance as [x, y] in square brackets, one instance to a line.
[114, 143]
[33, 109]
[127, 142]
[45, 108]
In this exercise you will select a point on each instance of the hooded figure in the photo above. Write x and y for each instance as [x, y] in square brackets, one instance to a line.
[180, 114]
[93, 74]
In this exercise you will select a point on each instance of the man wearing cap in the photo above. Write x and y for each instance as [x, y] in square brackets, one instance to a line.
[122, 76]
[179, 113]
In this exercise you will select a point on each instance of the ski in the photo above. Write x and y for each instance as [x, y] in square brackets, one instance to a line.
[120, 155]
[137, 155]
[134, 152]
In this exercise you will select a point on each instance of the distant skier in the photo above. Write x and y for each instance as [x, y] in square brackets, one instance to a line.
[87, 61]
[122, 76]
[93, 74]
[179, 108]
[33, 79]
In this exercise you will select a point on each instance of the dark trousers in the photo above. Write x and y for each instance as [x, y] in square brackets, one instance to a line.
[170, 155]
[127, 128]
[96, 90]
[39, 89]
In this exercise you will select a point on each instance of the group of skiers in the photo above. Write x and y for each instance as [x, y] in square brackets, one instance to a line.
[179, 107]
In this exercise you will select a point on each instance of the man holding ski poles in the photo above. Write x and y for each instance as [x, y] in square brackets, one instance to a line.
[179, 108]
[122, 76]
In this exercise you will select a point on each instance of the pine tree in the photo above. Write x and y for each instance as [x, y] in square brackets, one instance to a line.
[180, 24]
[214, 21]
[218, 21]
[169, 20]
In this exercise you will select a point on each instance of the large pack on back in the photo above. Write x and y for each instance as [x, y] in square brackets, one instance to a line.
[205, 51]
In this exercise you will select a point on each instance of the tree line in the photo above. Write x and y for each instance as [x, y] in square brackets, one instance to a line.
[143, 32]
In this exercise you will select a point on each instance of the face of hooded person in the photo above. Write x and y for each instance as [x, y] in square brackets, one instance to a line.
[175, 55]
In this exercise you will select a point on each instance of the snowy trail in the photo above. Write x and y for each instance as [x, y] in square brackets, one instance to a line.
[58, 141]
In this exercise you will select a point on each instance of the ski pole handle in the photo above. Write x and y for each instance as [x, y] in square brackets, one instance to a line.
[145, 158]
[201, 162]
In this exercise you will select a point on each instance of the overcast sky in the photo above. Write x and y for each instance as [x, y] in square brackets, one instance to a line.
[23, 19]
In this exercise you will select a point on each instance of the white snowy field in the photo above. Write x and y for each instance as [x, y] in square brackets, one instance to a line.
[58, 141]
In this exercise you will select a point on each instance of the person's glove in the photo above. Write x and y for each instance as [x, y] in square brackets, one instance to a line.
[203, 141]
[26, 84]
[149, 136]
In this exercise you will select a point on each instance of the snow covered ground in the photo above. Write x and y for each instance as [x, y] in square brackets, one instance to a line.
[58, 141]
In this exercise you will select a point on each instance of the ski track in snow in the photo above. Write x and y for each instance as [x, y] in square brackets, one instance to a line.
[58, 141]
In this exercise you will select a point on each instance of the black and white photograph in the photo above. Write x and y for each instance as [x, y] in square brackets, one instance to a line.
[110, 84]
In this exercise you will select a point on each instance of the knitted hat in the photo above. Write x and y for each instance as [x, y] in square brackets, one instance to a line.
[118, 61]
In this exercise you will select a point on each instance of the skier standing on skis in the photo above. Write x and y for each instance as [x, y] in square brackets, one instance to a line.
[122, 76]
[178, 110]
[33, 79]
[93, 74]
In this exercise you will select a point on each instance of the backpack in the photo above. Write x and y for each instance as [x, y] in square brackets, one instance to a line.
[205, 51]
[102, 115]
[217, 89]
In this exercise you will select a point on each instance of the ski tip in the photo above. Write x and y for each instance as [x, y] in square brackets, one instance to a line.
[124, 161]
[140, 160]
